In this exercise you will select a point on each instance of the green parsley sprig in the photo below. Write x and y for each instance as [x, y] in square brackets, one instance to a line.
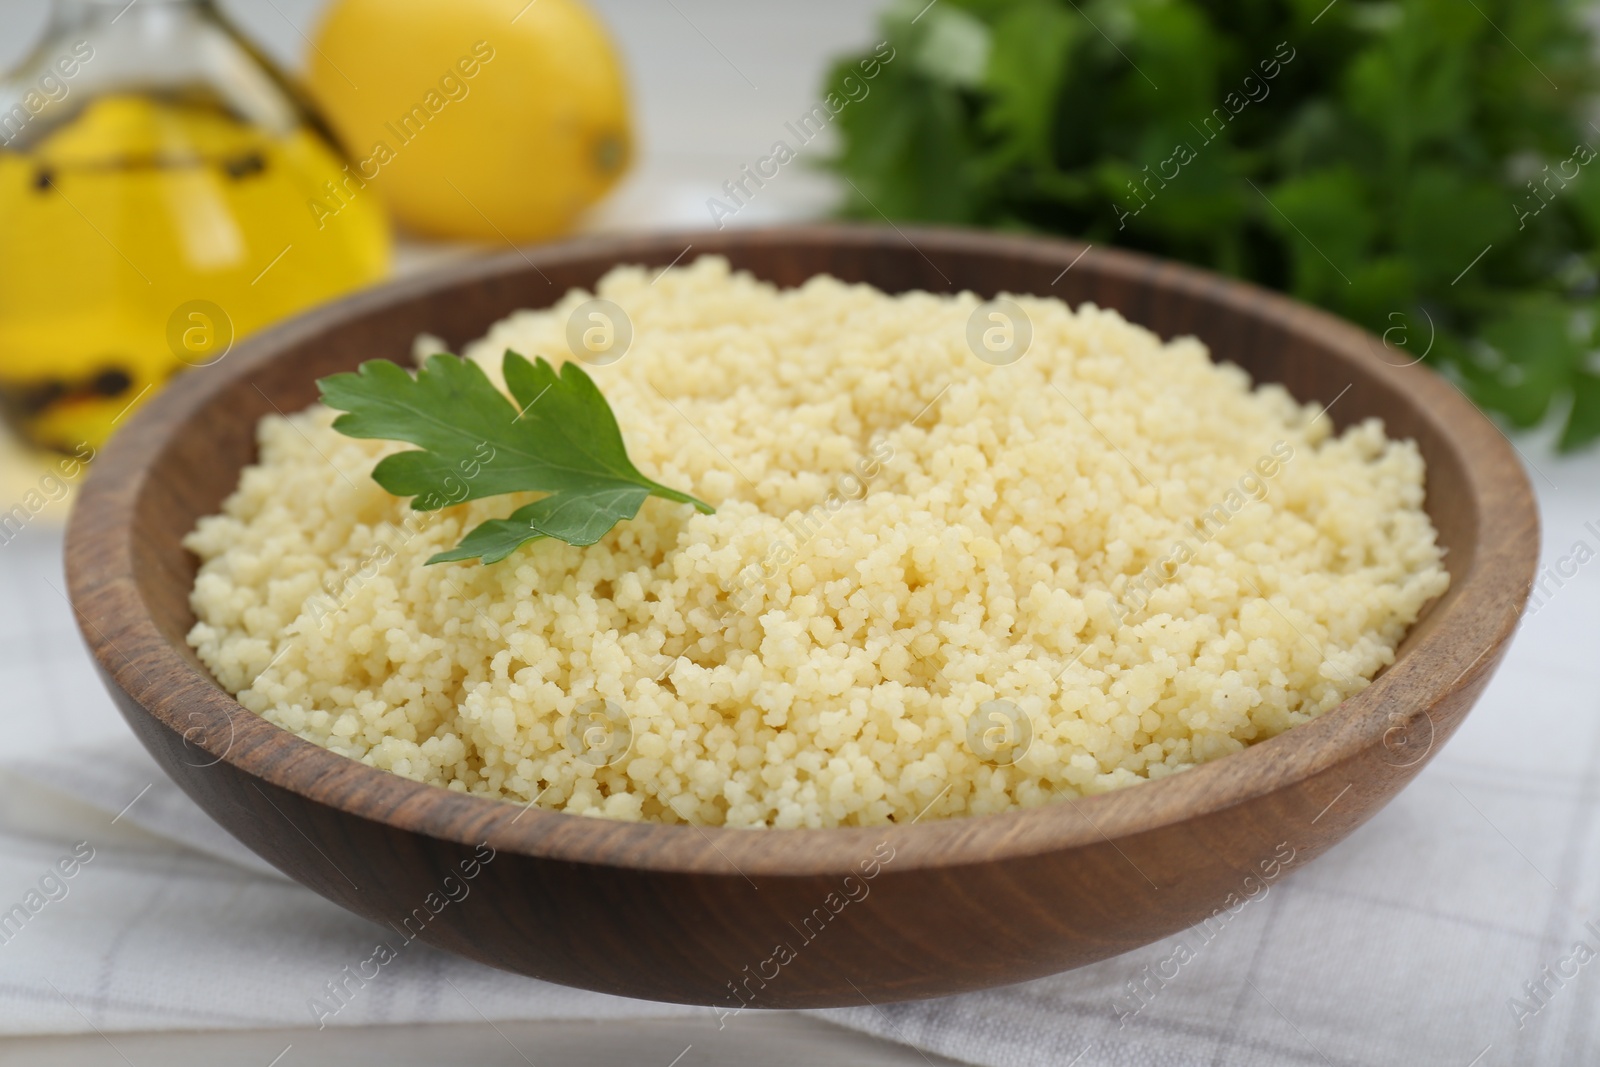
[558, 437]
[1427, 168]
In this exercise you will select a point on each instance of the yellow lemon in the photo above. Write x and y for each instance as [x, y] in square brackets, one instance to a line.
[487, 119]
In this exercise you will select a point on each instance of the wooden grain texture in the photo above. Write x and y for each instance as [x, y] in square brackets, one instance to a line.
[695, 915]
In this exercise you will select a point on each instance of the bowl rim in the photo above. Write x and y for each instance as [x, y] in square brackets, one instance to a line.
[135, 658]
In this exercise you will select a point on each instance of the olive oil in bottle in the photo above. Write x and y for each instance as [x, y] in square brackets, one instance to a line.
[157, 179]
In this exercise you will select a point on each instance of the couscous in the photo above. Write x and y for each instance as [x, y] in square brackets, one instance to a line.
[933, 586]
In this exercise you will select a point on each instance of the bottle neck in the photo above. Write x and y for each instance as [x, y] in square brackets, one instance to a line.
[158, 48]
[86, 15]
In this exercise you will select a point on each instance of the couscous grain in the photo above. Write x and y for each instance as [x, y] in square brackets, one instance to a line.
[1119, 555]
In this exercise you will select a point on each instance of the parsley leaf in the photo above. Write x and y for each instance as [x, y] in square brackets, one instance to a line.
[559, 437]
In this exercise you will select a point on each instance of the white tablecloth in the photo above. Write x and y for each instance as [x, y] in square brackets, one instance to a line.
[1414, 942]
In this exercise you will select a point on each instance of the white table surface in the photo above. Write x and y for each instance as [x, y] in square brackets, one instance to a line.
[699, 118]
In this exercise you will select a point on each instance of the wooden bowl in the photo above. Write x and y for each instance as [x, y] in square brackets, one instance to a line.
[790, 918]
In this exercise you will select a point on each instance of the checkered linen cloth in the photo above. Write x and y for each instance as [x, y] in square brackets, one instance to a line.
[1459, 928]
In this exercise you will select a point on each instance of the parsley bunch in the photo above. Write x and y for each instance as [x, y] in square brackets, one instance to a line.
[1426, 168]
[555, 434]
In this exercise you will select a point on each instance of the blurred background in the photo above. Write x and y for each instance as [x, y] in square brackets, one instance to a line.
[695, 117]
[168, 208]
[199, 171]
